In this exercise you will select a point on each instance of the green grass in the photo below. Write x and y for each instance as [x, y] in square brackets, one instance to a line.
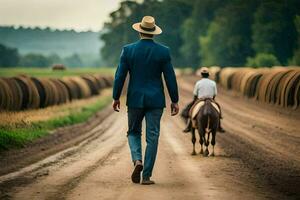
[47, 72]
[11, 137]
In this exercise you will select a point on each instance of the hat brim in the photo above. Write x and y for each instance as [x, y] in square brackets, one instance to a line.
[137, 27]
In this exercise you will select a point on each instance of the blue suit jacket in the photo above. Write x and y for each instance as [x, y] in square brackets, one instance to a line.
[146, 61]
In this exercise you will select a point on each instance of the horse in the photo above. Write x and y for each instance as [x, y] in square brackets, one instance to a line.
[207, 122]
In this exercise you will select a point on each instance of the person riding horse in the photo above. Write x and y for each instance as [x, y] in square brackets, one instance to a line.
[204, 88]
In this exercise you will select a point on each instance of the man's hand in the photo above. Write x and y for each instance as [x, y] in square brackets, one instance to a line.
[116, 105]
[174, 109]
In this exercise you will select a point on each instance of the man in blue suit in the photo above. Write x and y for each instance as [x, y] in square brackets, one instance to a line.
[145, 61]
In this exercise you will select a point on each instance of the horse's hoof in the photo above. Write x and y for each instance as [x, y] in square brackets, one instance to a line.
[193, 153]
[212, 154]
[206, 153]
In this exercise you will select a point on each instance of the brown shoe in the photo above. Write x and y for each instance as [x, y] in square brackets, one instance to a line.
[136, 174]
[147, 181]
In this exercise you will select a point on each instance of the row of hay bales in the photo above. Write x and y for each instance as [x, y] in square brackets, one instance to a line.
[276, 85]
[24, 92]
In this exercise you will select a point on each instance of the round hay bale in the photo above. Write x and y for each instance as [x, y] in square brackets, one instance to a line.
[264, 84]
[290, 98]
[245, 79]
[58, 67]
[102, 82]
[61, 90]
[73, 88]
[41, 90]
[226, 77]
[92, 83]
[250, 87]
[108, 80]
[99, 82]
[83, 86]
[297, 96]
[16, 100]
[51, 95]
[31, 98]
[273, 88]
[5, 95]
[70, 95]
[214, 72]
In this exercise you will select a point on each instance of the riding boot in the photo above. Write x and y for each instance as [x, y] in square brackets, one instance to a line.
[220, 129]
[188, 127]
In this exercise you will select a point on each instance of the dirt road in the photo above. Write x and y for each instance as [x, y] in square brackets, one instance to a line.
[257, 158]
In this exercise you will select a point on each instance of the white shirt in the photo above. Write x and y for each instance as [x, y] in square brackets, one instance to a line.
[205, 88]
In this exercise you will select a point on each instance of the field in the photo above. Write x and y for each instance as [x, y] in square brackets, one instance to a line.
[78, 149]
[19, 127]
[48, 72]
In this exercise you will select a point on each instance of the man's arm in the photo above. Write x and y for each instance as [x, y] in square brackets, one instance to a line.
[120, 77]
[170, 79]
[215, 91]
[195, 92]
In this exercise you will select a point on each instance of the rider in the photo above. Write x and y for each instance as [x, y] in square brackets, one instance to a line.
[204, 88]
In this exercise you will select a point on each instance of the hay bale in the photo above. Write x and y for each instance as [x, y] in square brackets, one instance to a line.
[51, 95]
[58, 67]
[83, 87]
[16, 100]
[41, 90]
[92, 83]
[273, 88]
[102, 82]
[250, 87]
[264, 84]
[291, 91]
[61, 90]
[31, 98]
[108, 80]
[73, 88]
[5, 95]
[226, 77]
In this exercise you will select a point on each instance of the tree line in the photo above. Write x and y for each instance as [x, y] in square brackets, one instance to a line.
[10, 57]
[213, 32]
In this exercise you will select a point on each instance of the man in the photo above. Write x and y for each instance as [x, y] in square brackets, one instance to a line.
[204, 88]
[145, 61]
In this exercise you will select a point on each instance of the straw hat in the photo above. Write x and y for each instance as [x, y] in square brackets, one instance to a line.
[204, 70]
[147, 26]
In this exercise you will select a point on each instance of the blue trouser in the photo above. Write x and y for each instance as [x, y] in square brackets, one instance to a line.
[135, 118]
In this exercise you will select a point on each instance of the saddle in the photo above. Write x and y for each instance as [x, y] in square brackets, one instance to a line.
[196, 108]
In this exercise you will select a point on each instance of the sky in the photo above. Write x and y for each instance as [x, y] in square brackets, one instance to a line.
[80, 15]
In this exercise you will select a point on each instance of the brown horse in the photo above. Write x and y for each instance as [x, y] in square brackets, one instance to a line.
[207, 122]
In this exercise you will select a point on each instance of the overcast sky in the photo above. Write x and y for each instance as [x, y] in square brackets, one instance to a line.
[80, 15]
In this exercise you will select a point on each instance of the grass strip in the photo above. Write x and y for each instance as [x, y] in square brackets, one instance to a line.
[48, 72]
[11, 137]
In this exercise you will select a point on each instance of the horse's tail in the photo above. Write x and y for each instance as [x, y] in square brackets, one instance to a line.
[208, 130]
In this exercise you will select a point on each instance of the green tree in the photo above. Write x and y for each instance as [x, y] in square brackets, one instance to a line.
[295, 60]
[9, 57]
[73, 61]
[263, 60]
[196, 25]
[34, 60]
[228, 39]
[273, 28]
[168, 13]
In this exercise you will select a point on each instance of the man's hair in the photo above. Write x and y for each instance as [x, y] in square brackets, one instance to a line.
[146, 35]
[205, 75]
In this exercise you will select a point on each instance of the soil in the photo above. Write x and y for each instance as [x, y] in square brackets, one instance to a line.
[257, 158]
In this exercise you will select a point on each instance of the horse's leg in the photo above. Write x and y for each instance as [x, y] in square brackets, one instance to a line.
[213, 142]
[193, 141]
[206, 144]
[201, 142]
